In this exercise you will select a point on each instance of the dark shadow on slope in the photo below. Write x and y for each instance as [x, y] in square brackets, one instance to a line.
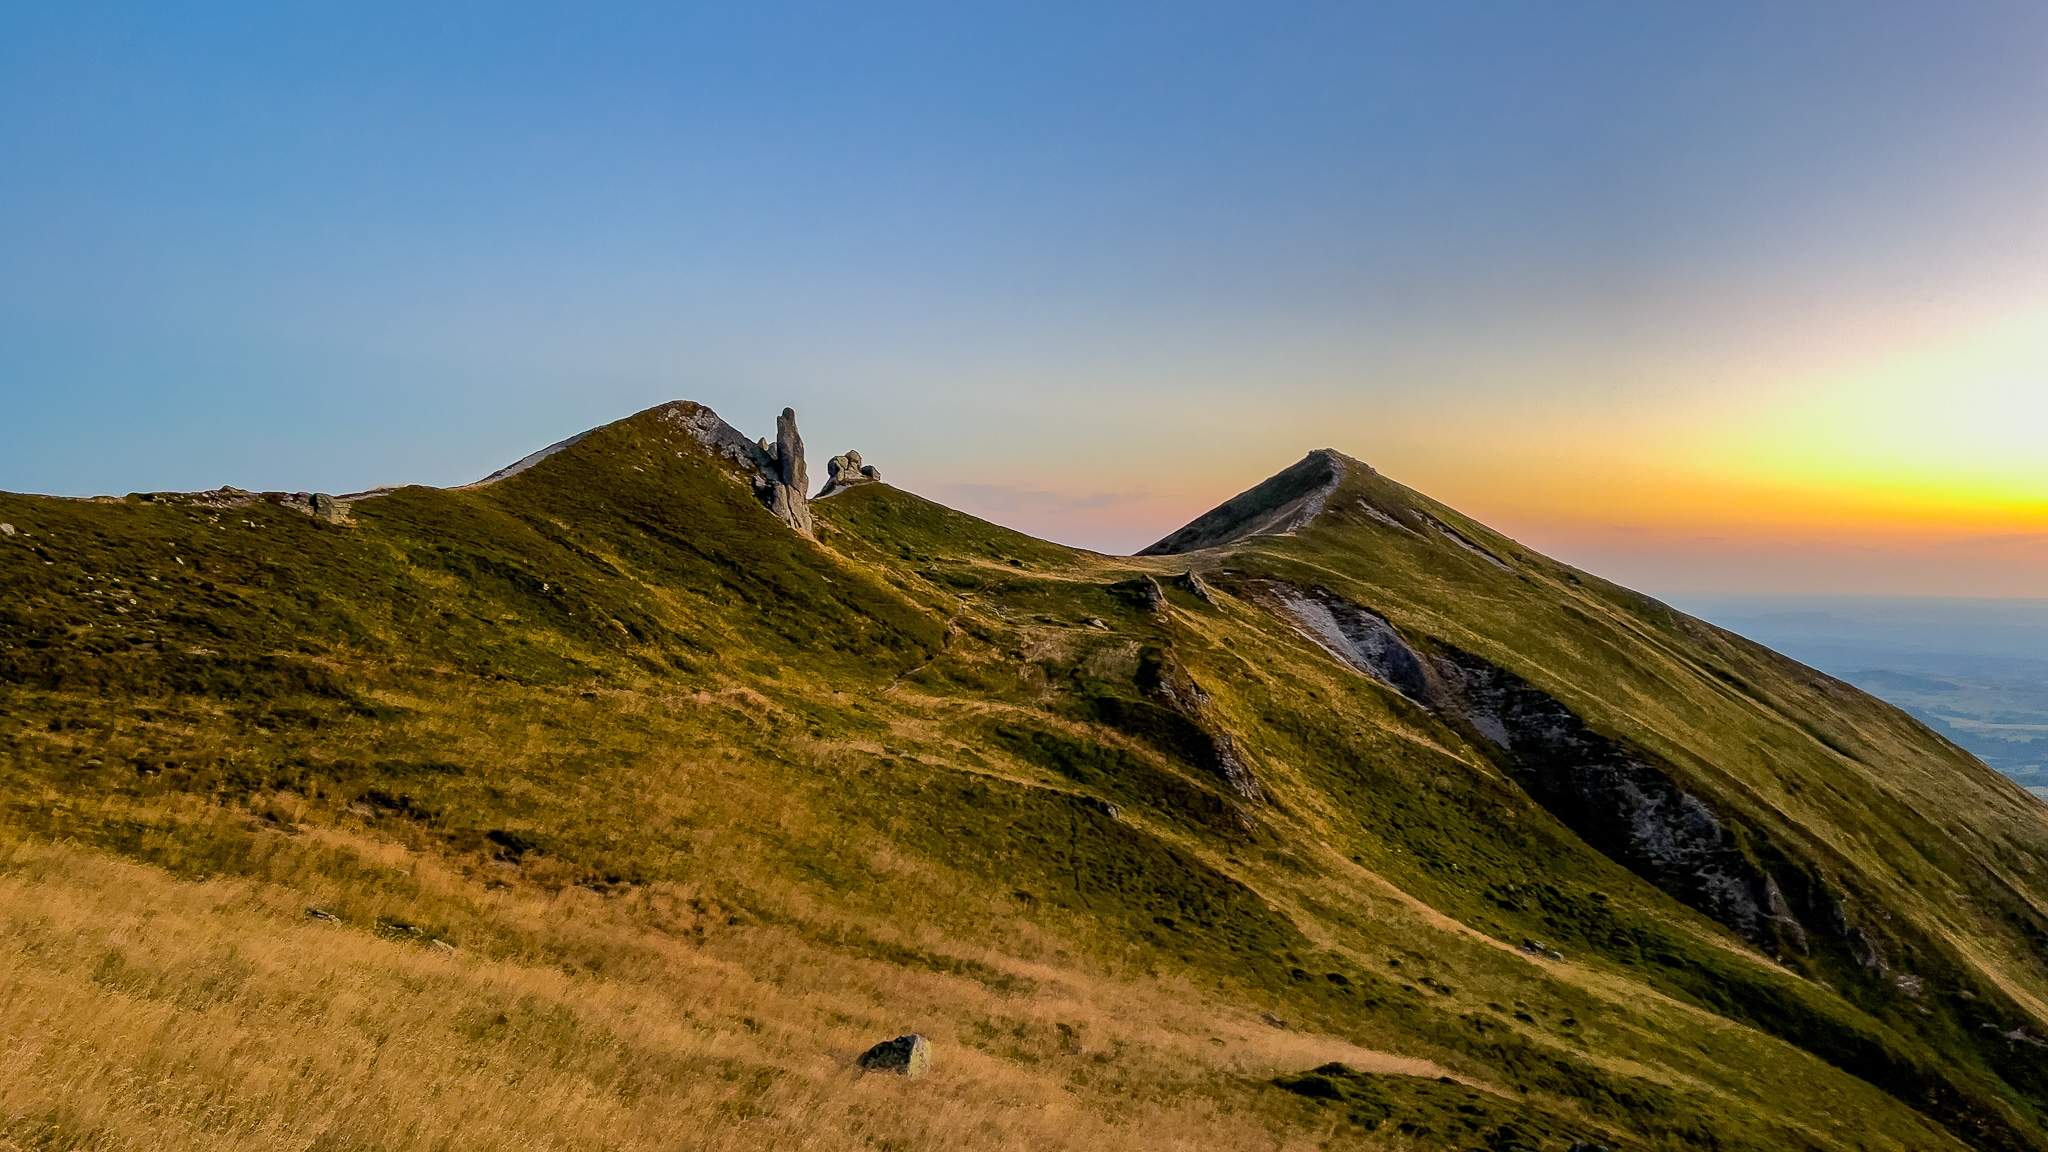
[1282, 503]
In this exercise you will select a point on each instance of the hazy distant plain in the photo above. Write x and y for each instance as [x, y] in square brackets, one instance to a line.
[1974, 670]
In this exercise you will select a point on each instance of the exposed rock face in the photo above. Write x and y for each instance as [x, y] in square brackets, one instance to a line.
[1235, 771]
[789, 453]
[844, 472]
[905, 1055]
[718, 437]
[224, 497]
[316, 504]
[785, 478]
[1361, 638]
[776, 470]
[1622, 800]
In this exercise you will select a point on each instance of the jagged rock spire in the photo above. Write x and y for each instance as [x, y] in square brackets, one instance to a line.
[783, 475]
[776, 470]
[789, 453]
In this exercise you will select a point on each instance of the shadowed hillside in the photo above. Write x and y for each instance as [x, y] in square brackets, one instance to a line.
[637, 795]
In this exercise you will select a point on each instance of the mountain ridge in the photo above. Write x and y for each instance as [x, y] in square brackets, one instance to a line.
[1375, 771]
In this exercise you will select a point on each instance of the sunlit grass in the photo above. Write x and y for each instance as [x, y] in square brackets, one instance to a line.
[643, 817]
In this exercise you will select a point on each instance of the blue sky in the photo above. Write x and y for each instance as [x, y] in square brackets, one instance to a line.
[1084, 268]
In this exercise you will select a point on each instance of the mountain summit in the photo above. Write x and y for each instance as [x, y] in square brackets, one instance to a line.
[635, 791]
[1287, 500]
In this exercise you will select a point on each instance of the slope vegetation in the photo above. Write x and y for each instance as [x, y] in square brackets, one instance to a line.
[598, 807]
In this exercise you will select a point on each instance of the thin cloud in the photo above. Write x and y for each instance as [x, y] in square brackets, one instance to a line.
[1017, 498]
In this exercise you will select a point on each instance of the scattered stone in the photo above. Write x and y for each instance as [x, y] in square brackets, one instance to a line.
[7, 529]
[2017, 1035]
[322, 914]
[327, 507]
[1095, 622]
[1100, 805]
[905, 1055]
[843, 472]
[441, 946]
[1275, 1021]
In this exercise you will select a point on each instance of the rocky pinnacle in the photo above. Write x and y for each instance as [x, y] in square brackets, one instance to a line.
[786, 479]
[776, 469]
[789, 452]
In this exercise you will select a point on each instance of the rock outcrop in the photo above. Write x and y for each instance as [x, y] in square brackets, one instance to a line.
[789, 452]
[905, 1055]
[843, 472]
[1194, 585]
[1620, 799]
[776, 470]
[319, 505]
[1143, 592]
[784, 477]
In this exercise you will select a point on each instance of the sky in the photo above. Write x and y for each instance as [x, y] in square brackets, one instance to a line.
[1718, 296]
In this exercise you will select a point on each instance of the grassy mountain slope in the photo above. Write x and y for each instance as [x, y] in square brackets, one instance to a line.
[639, 815]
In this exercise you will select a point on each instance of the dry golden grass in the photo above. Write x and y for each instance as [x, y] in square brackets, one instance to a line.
[708, 811]
[215, 1014]
[143, 1012]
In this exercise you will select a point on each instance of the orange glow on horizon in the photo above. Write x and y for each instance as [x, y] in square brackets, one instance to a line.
[1878, 465]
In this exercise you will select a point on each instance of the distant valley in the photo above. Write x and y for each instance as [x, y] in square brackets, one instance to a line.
[1974, 670]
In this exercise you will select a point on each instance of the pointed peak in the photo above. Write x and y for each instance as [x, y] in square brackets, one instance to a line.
[1281, 503]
